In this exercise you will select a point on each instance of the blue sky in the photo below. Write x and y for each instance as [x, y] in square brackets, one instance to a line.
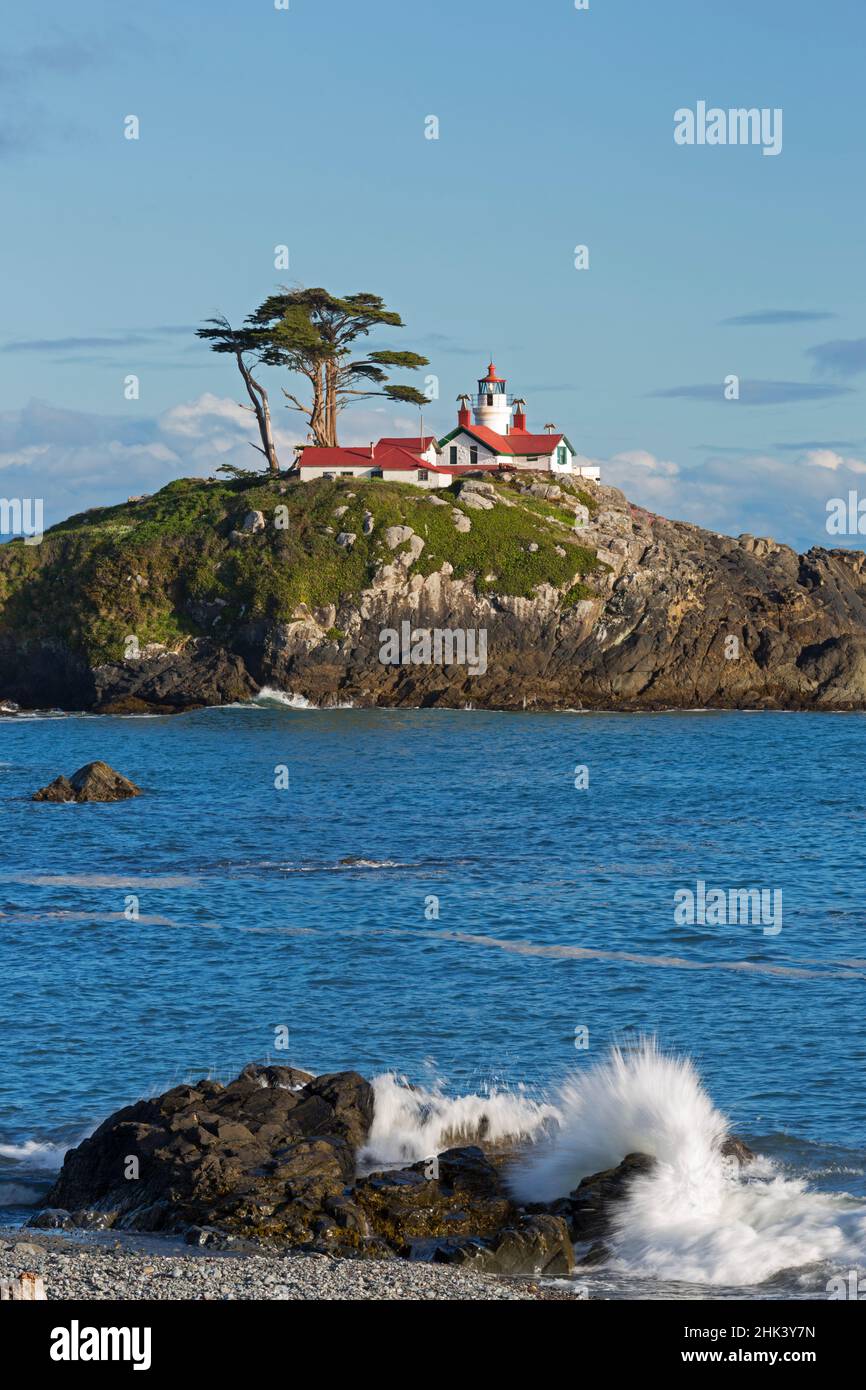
[305, 127]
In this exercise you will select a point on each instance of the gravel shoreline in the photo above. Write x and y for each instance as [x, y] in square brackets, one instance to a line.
[75, 1270]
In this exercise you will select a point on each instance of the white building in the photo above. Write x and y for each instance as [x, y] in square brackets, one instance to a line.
[490, 434]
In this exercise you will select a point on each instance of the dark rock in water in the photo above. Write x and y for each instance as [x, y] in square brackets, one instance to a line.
[93, 782]
[52, 1219]
[587, 1210]
[254, 1159]
[537, 1245]
[737, 1149]
[199, 675]
[292, 1078]
[350, 1097]
[463, 1215]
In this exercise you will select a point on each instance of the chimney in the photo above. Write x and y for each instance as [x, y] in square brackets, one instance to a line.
[519, 423]
[372, 450]
[464, 415]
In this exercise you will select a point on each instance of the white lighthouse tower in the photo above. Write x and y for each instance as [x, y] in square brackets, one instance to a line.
[492, 407]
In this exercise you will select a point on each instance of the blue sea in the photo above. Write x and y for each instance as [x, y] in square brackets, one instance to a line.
[480, 903]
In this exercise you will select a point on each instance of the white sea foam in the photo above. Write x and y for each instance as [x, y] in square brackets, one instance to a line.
[36, 1155]
[18, 1194]
[695, 1217]
[411, 1123]
[270, 695]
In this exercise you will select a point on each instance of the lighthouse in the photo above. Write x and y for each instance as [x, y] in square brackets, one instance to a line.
[492, 407]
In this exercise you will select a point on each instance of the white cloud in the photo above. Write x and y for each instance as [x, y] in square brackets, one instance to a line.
[75, 461]
[758, 493]
[828, 458]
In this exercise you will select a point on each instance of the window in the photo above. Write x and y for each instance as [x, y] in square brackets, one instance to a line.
[422, 475]
[328, 475]
[562, 456]
[489, 398]
[452, 453]
[346, 473]
[375, 472]
[473, 455]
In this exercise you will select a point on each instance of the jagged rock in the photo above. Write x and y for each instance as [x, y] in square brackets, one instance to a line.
[94, 782]
[461, 520]
[396, 535]
[288, 1078]
[407, 557]
[256, 1159]
[476, 500]
[199, 675]
[478, 485]
[350, 1097]
[52, 1219]
[549, 492]
[346, 539]
[368, 523]
[736, 1148]
[586, 1210]
[253, 521]
[535, 1245]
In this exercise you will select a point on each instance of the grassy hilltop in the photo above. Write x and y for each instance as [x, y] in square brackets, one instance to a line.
[156, 567]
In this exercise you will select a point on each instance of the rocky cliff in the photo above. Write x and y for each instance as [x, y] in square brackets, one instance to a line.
[565, 594]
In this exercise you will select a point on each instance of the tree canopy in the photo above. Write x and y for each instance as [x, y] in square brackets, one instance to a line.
[315, 335]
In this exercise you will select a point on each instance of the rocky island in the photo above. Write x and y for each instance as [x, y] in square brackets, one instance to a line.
[210, 590]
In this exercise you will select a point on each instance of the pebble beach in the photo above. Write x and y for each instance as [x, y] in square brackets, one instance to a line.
[71, 1270]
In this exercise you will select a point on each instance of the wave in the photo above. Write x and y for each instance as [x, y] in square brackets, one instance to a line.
[411, 1123]
[17, 1194]
[269, 695]
[40, 1155]
[695, 1217]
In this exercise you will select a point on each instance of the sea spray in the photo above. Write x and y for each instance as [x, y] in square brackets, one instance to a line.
[695, 1218]
[637, 1101]
[411, 1123]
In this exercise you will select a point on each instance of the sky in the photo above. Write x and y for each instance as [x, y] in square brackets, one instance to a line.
[306, 127]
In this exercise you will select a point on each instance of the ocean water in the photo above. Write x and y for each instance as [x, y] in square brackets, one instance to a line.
[431, 899]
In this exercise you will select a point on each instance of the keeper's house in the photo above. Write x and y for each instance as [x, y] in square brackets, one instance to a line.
[490, 434]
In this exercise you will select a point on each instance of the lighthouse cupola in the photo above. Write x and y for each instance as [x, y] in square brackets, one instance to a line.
[492, 406]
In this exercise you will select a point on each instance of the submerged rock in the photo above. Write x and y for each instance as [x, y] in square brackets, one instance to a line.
[93, 782]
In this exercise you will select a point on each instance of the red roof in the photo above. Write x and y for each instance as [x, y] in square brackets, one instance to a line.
[316, 457]
[391, 455]
[522, 442]
[519, 442]
[416, 445]
[403, 460]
